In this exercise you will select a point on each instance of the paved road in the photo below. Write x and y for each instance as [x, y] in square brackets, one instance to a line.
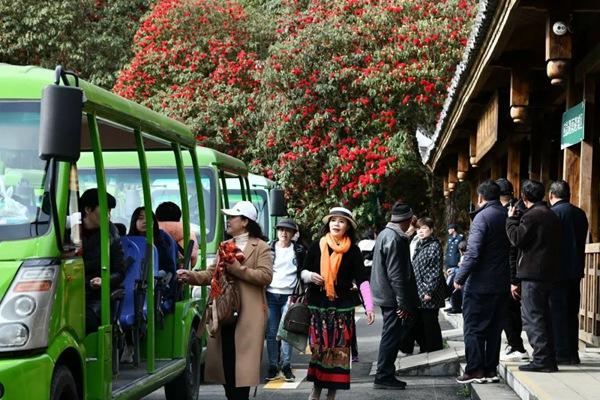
[439, 388]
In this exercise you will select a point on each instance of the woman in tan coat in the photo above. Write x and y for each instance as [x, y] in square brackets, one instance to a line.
[234, 353]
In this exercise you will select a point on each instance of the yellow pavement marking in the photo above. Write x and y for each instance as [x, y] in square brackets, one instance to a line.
[282, 384]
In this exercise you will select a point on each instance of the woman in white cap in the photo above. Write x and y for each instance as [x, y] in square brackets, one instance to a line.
[234, 353]
[332, 264]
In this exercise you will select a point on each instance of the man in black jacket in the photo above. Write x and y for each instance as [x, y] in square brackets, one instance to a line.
[564, 300]
[90, 235]
[395, 291]
[538, 236]
[484, 278]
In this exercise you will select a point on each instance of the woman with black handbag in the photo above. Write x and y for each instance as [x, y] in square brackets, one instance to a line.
[332, 263]
[234, 351]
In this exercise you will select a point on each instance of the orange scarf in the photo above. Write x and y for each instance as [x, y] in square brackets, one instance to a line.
[330, 264]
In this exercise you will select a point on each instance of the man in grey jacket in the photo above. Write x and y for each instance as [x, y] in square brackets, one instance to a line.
[394, 290]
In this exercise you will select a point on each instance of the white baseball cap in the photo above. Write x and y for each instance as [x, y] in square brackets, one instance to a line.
[242, 208]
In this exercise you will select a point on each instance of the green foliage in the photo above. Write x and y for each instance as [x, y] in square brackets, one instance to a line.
[92, 37]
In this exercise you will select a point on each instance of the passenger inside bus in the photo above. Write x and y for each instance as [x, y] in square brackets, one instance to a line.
[168, 215]
[167, 254]
[90, 235]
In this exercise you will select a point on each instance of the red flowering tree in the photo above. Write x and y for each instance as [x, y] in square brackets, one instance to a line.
[341, 93]
[321, 95]
[195, 61]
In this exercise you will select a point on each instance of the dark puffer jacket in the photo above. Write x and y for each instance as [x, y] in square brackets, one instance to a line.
[484, 268]
[427, 265]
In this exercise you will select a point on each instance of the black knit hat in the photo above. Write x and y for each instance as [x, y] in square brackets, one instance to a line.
[401, 212]
[506, 188]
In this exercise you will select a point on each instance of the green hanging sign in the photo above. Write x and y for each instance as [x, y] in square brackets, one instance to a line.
[572, 129]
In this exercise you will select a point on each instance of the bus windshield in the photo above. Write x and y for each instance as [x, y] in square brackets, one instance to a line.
[22, 173]
[126, 185]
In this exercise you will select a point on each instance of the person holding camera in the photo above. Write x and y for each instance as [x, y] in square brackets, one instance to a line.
[537, 234]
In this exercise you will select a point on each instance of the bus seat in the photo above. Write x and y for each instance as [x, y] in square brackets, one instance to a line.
[135, 274]
[132, 274]
[173, 249]
[170, 291]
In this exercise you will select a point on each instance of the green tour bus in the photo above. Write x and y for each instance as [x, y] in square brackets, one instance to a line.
[47, 119]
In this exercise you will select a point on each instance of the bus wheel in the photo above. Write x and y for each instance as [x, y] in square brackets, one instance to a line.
[63, 385]
[187, 384]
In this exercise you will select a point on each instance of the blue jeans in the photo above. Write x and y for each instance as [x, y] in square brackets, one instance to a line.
[277, 304]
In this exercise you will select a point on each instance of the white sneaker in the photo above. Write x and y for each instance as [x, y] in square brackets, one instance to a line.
[511, 354]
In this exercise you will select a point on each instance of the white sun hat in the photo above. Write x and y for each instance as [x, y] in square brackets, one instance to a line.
[341, 212]
[242, 208]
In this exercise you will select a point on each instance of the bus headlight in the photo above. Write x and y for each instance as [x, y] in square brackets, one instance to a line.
[24, 306]
[13, 335]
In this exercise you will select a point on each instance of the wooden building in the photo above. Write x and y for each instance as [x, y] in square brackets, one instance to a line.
[525, 103]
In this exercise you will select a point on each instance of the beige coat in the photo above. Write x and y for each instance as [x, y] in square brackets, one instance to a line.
[253, 276]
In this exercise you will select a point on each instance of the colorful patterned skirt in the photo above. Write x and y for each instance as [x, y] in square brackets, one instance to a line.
[330, 337]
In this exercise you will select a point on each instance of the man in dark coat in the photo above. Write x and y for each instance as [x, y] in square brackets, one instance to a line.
[538, 236]
[394, 290]
[564, 300]
[90, 235]
[515, 350]
[484, 278]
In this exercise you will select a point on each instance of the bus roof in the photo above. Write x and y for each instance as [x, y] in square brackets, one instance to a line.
[27, 83]
[256, 182]
[226, 162]
[158, 158]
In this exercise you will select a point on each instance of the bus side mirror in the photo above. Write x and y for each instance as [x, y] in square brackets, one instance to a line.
[278, 203]
[60, 123]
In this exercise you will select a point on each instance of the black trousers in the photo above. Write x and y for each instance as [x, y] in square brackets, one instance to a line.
[514, 325]
[228, 352]
[393, 333]
[484, 318]
[92, 315]
[564, 306]
[428, 330]
[456, 299]
[537, 321]
[455, 295]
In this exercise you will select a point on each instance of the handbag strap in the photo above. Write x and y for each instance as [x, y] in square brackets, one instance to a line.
[299, 292]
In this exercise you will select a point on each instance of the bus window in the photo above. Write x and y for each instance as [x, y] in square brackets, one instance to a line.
[22, 173]
[164, 186]
[124, 185]
[72, 239]
[259, 199]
